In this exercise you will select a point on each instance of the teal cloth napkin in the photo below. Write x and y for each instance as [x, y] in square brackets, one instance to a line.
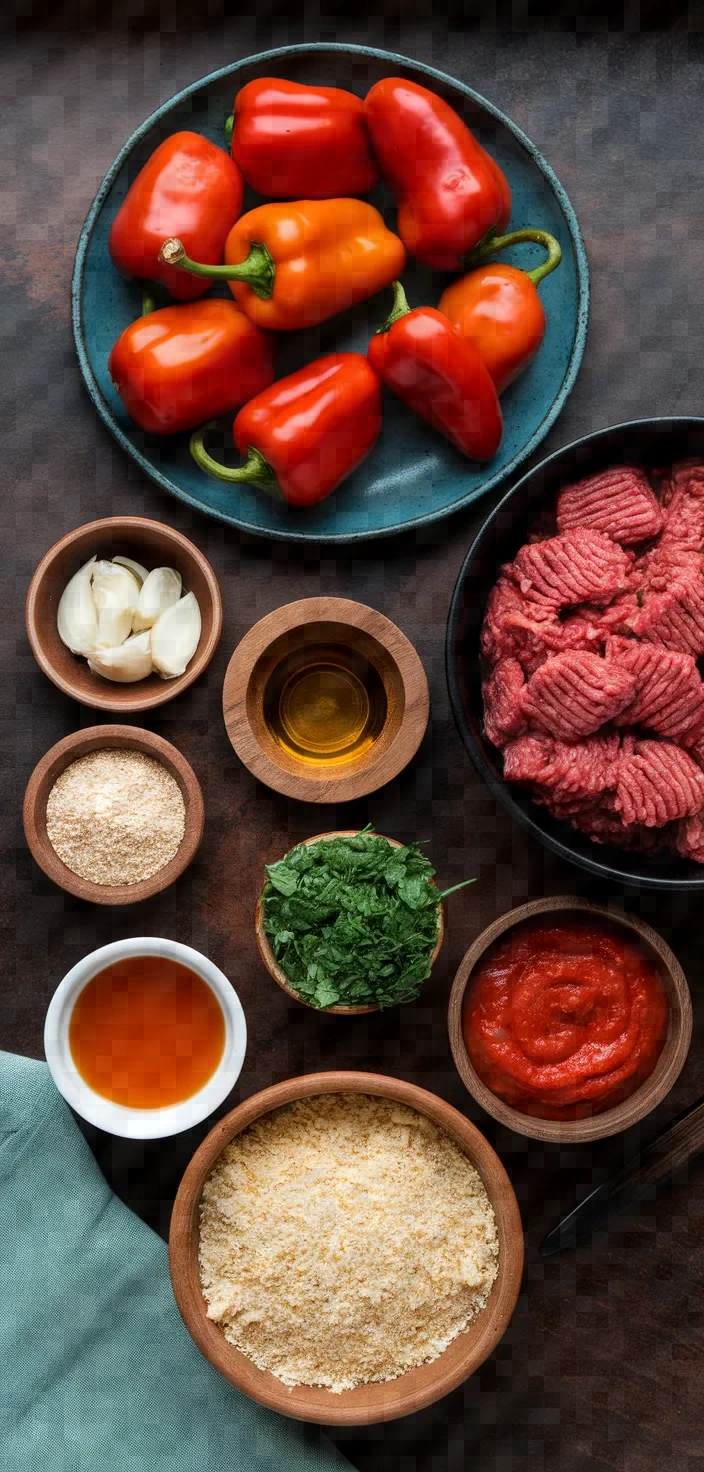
[98, 1372]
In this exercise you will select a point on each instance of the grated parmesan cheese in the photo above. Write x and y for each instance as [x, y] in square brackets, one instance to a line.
[345, 1239]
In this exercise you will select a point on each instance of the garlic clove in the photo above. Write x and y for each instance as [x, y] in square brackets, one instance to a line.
[160, 590]
[175, 637]
[77, 620]
[141, 573]
[115, 592]
[126, 662]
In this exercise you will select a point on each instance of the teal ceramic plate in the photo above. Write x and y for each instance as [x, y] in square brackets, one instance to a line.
[412, 476]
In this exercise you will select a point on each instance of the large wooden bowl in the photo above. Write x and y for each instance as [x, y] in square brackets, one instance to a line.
[364, 632]
[368, 1403]
[155, 545]
[97, 738]
[272, 964]
[656, 1086]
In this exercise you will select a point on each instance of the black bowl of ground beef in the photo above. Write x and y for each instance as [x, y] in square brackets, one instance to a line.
[525, 515]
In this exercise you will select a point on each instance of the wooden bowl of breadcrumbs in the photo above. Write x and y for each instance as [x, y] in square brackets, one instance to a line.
[329, 1221]
[113, 814]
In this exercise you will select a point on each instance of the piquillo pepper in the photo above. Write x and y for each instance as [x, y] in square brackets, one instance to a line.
[449, 191]
[423, 358]
[293, 265]
[294, 142]
[497, 306]
[178, 366]
[187, 188]
[306, 433]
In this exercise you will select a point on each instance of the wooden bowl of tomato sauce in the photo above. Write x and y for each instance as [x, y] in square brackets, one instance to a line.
[565, 1048]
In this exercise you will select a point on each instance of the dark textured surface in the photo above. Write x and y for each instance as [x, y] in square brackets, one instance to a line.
[601, 1367]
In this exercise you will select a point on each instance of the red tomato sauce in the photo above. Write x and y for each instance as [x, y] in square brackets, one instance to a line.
[564, 1021]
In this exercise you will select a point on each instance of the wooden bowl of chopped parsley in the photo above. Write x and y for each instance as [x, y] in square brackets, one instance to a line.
[351, 922]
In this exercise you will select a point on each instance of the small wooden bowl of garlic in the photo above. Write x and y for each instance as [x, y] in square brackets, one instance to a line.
[123, 614]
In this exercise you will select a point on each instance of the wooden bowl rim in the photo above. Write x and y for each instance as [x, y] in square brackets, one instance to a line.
[367, 1404]
[124, 525]
[651, 1092]
[58, 758]
[270, 960]
[331, 787]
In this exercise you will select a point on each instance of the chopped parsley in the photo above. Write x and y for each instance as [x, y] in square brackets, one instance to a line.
[352, 921]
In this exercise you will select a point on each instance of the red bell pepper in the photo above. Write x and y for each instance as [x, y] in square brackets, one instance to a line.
[498, 308]
[449, 191]
[296, 142]
[187, 188]
[176, 367]
[423, 358]
[306, 433]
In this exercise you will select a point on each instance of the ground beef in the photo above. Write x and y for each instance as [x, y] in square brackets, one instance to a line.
[683, 503]
[618, 502]
[564, 775]
[581, 566]
[670, 600]
[513, 626]
[604, 826]
[503, 713]
[588, 645]
[657, 783]
[575, 693]
[689, 838]
[669, 694]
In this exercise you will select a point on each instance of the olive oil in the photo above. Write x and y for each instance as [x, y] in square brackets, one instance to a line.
[325, 704]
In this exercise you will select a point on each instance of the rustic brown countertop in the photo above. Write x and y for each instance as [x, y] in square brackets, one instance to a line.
[601, 1367]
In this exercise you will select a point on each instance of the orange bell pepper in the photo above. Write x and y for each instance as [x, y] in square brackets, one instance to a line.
[497, 306]
[294, 265]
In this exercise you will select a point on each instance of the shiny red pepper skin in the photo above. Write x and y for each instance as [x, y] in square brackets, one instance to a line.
[440, 375]
[449, 191]
[306, 433]
[179, 366]
[188, 188]
[498, 308]
[297, 142]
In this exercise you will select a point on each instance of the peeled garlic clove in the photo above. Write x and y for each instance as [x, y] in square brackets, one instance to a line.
[127, 662]
[141, 573]
[160, 590]
[175, 637]
[115, 592]
[77, 619]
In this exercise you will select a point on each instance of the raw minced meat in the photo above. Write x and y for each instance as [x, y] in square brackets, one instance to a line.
[618, 502]
[591, 686]
[575, 693]
[581, 566]
[669, 696]
[503, 712]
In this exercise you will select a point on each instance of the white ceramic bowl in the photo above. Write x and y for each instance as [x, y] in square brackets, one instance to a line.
[117, 1119]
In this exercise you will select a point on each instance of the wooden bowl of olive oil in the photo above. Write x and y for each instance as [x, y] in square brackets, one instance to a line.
[325, 700]
[280, 976]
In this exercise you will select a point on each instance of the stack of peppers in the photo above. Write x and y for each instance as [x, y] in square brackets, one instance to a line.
[316, 251]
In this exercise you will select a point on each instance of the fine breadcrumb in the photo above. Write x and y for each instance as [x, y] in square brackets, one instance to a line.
[345, 1239]
[115, 816]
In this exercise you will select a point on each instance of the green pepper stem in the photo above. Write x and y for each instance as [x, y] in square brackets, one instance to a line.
[400, 307]
[257, 271]
[229, 126]
[256, 470]
[148, 304]
[492, 243]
